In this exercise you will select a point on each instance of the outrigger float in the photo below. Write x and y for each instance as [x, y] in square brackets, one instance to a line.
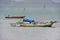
[48, 24]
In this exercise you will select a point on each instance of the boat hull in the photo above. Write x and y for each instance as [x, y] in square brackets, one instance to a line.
[35, 25]
[15, 17]
[31, 25]
[26, 24]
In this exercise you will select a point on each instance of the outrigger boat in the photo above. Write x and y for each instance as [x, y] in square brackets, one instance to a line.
[49, 24]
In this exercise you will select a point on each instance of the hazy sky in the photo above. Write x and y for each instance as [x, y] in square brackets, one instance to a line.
[36, 1]
[55, 3]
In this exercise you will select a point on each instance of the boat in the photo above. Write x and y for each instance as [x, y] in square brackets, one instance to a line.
[15, 17]
[38, 24]
[48, 24]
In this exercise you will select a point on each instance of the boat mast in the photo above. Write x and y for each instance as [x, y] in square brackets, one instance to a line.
[24, 10]
[44, 4]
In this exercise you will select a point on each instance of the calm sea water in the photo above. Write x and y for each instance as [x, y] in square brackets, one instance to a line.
[36, 13]
[29, 33]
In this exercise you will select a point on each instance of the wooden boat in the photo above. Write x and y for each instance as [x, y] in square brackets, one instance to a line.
[15, 17]
[49, 24]
[38, 24]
